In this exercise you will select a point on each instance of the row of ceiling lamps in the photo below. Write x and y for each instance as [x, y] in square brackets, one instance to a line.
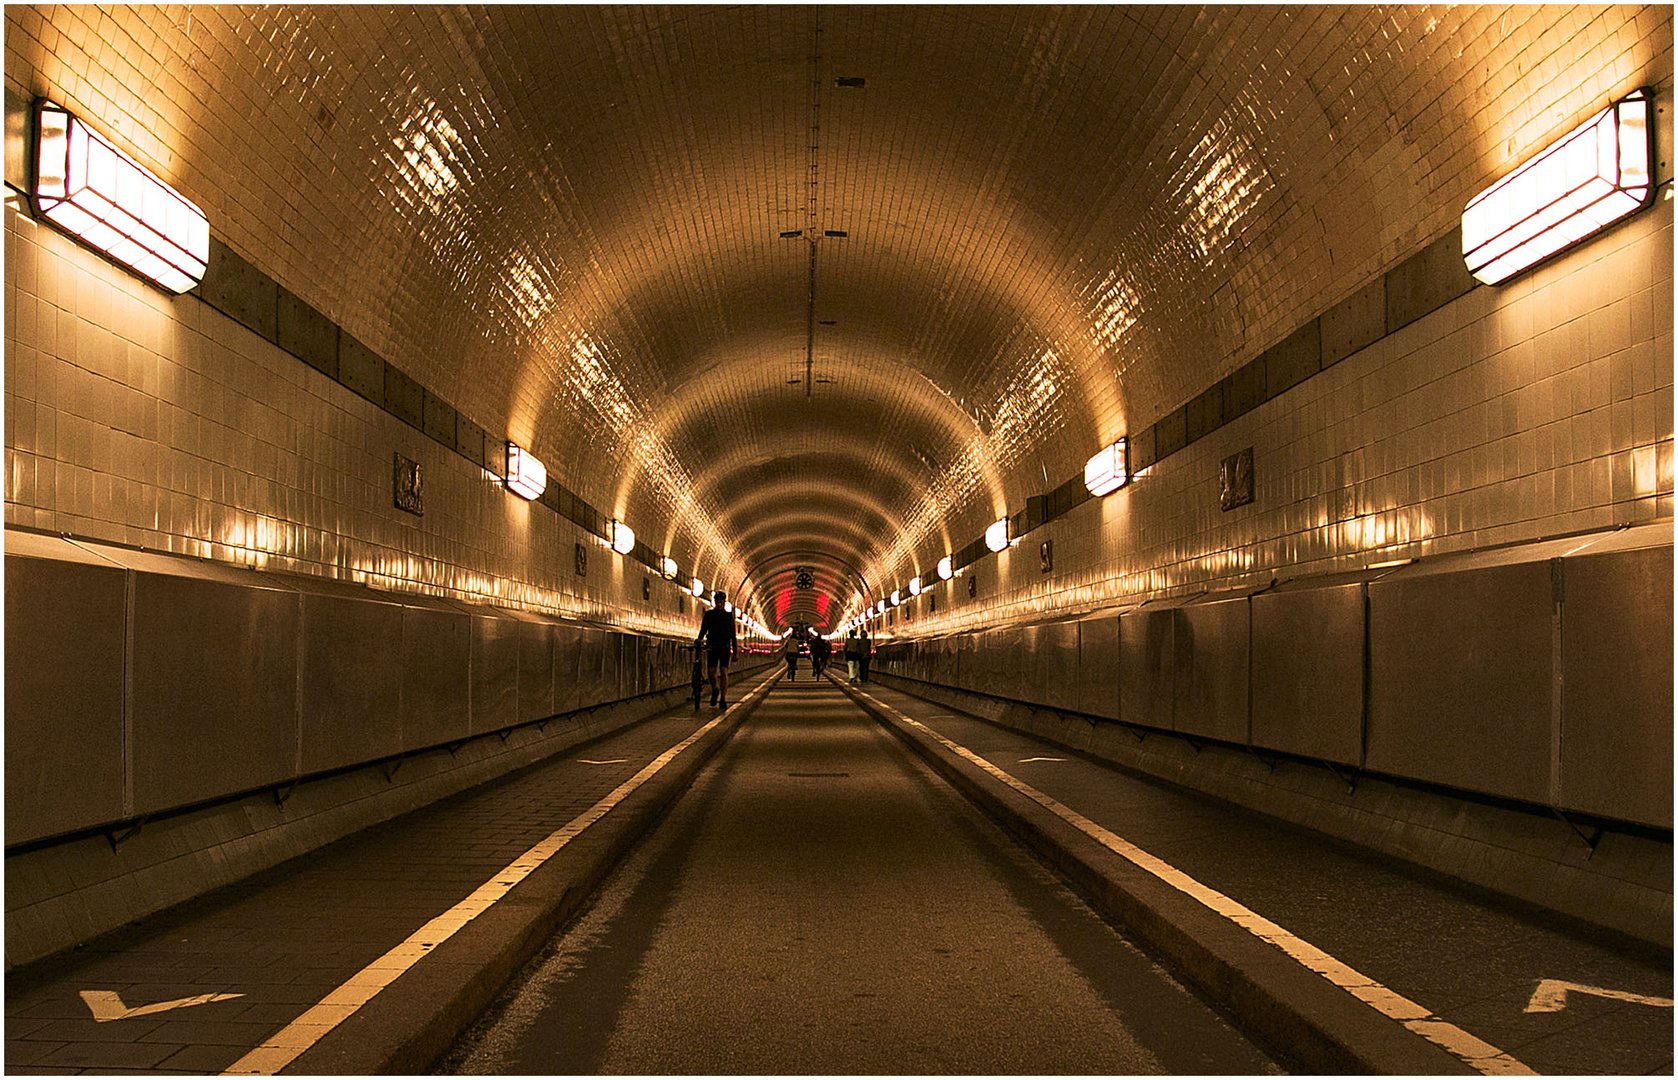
[1106, 471]
[1598, 174]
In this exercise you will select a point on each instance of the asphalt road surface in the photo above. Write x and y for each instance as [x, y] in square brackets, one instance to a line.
[819, 903]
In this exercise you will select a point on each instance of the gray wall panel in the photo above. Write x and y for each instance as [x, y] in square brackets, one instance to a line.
[1460, 674]
[1616, 736]
[591, 667]
[1145, 666]
[1057, 650]
[215, 689]
[1098, 667]
[568, 657]
[436, 676]
[1209, 660]
[350, 682]
[64, 660]
[1308, 672]
[495, 672]
[536, 670]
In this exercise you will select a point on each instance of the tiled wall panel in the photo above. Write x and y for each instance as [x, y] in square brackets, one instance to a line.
[1308, 679]
[436, 679]
[495, 673]
[1211, 665]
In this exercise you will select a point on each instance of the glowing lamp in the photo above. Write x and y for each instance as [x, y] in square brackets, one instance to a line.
[623, 537]
[996, 536]
[896, 597]
[113, 204]
[667, 567]
[946, 568]
[698, 587]
[728, 606]
[1593, 177]
[526, 476]
[914, 586]
[1108, 470]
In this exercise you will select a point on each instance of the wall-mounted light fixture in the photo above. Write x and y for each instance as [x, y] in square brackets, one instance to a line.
[914, 586]
[996, 535]
[896, 597]
[526, 476]
[622, 537]
[1594, 176]
[946, 568]
[697, 588]
[112, 203]
[1109, 469]
[667, 567]
[728, 606]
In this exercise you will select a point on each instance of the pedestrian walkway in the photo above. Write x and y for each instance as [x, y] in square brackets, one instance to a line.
[220, 983]
[1541, 995]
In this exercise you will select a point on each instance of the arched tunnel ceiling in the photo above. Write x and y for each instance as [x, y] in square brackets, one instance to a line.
[1059, 223]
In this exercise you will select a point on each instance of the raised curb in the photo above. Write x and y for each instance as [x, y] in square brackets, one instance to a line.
[414, 1021]
[1308, 1022]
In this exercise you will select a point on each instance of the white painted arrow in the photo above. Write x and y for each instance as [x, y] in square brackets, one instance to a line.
[1551, 996]
[106, 1005]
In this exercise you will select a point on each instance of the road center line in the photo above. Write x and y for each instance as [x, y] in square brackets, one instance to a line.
[1478, 1054]
[287, 1044]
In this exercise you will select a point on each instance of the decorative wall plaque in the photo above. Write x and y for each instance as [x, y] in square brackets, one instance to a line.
[582, 561]
[407, 486]
[933, 603]
[972, 585]
[646, 588]
[1046, 556]
[1235, 480]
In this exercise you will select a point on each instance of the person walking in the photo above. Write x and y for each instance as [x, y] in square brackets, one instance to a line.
[853, 656]
[820, 650]
[867, 654]
[716, 633]
[789, 650]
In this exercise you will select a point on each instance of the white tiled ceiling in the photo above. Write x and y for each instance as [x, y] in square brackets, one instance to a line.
[1061, 222]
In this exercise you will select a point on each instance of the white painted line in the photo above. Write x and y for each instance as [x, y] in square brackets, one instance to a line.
[286, 1045]
[1029, 760]
[106, 1005]
[1479, 1055]
[609, 761]
[1551, 996]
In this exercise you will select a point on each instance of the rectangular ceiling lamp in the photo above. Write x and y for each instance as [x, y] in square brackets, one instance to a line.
[1596, 175]
[1109, 469]
[526, 476]
[113, 204]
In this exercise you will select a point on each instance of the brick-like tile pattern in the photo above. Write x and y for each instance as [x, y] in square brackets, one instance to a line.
[1060, 224]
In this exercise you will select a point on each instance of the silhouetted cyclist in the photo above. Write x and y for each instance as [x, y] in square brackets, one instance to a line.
[716, 631]
[789, 650]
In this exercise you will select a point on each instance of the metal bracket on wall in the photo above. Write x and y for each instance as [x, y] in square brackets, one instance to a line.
[283, 792]
[1349, 776]
[1591, 839]
[390, 770]
[117, 839]
[1194, 744]
[1268, 762]
[456, 745]
[507, 732]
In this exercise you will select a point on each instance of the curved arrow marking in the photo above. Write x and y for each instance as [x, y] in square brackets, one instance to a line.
[106, 1005]
[1551, 996]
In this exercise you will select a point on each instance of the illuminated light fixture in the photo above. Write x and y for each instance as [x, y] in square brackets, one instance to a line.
[1389, 564]
[996, 536]
[946, 568]
[698, 587]
[623, 537]
[107, 200]
[728, 605]
[914, 586]
[667, 567]
[526, 476]
[1596, 175]
[896, 597]
[1109, 469]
